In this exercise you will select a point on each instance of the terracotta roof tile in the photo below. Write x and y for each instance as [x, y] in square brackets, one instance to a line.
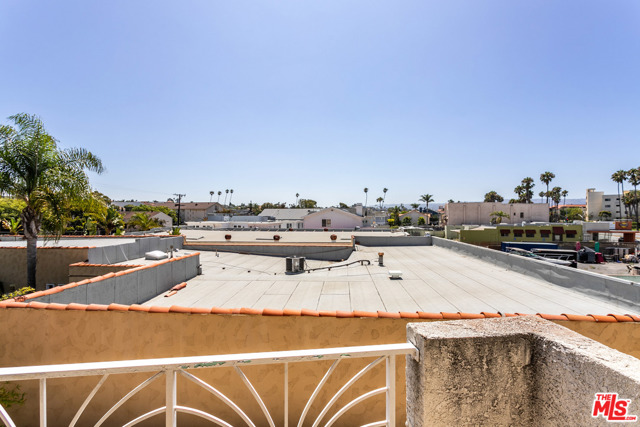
[200, 310]
[450, 316]
[56, 306]
[118, 307]
[138, 307]
[490, 315]
[307, 312]
[434, 316]
[579, 317]
[409, 315]
[621, 318]
[36, 304]
[326, 313]
[359, 313]
[290, 312]
[471, 315]
[603, 318]
[15, 304]
[220, 310]
[388, 315]
[247, 310]
[179, 309]
[170, 294]
[157, 309]
[74, 306]
[272, 312]
[97, 307]
[510, 315]
[345, 314]
[635, 317]
[553, 316]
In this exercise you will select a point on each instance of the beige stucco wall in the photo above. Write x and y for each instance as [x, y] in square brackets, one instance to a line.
[32, 337]
[480, 213]
[52, 265]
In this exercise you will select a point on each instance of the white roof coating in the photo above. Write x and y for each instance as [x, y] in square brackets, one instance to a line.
[434, 279]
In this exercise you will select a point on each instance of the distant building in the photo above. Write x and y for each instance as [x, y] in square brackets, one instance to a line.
[332, 218]
[290, 218]
[480, 213]
[191, 211]
[549, 233]
[597, 202]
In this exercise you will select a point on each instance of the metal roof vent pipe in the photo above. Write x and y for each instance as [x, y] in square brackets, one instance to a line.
[380, 259]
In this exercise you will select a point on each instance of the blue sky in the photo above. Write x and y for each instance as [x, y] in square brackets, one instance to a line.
[273, 98]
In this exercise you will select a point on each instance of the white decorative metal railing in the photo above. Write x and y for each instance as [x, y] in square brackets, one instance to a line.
[170, 368]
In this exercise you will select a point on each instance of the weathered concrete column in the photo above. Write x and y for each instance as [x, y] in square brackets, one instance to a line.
[515, 371]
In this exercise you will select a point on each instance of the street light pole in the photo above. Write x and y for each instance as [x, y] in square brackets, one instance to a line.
[179, 196]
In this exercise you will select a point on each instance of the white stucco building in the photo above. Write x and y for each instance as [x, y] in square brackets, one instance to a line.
[333, 218]
[480, 213]
[597, 202]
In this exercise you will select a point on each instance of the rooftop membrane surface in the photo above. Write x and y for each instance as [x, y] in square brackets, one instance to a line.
[433, 279]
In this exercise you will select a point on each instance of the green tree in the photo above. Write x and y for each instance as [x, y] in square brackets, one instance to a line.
[633, 175]
[146, 208]
[556, 195]
[492, 197]
[111, 220]
[384, 195]
[620, 177]
[34, 170]
[415, 205]
[379, 200]
[573, 214]
[547, 177]
[406, 220]
[343, 205]
[604, 215]
[524, 191]
[564, 194]
[427, 198]
[421, 220]
[143, 222]
[308, 204]
[396, 215]
[496, 217]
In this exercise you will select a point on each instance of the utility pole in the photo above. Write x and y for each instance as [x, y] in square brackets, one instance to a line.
[179, 196]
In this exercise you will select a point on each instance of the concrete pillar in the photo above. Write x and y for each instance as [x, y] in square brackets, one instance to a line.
[513, 371]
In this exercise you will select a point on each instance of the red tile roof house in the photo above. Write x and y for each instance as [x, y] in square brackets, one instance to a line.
[245, 303]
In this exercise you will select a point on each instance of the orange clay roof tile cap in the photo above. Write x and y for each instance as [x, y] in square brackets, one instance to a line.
[600, 318]
[579, 317]
[450, 316]
[425, 315]
[360, 313]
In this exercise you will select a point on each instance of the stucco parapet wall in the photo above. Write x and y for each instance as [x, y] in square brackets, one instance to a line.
[131, 286]
[316, 251]
[393, 240]
[518, 371]
[597, 285]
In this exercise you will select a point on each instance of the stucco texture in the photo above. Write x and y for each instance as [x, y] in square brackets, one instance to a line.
[34, 337]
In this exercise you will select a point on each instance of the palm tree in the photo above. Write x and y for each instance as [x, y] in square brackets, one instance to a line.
[633, 175]
[110, 220]
[427, 198]
[564, 193]
[498, 215]
[211, 193]
[219, 194]
[493, 196]
[35, 170]
[556, 193]
[415, 205]
[547, 177]
[366, 196]
[225, 197]
[230, 197]
[379, 200]
[297, 195]
[619, 177]
[527, 189]
[541, 194]
[384, 197]
[143, 222]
